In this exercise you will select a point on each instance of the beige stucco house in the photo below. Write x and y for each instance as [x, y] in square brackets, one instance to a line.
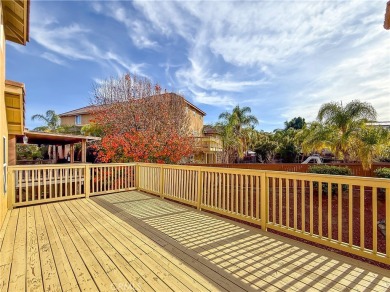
[207, 147]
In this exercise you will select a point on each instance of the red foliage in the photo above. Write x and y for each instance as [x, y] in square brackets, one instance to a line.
[144, 146]
[140, 125]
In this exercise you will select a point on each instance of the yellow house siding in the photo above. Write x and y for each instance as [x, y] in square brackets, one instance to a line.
[3, 122]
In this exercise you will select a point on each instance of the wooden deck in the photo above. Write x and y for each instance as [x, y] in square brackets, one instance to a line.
[132, 241]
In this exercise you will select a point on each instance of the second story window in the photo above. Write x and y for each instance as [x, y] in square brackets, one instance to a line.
[78, 120]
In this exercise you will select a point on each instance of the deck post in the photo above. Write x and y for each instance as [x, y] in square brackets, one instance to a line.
[263, 201]
[10, 188]
[162, 182]
[87, 181]
[199, 189]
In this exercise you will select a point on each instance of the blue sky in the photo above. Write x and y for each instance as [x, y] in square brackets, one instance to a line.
[281, 58]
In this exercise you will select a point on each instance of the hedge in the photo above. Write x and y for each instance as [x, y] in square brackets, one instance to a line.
[383, 172]
[329, 169]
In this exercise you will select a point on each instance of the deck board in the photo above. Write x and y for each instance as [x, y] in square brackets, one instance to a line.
[138, 242]
[17, 281]
[50, 277]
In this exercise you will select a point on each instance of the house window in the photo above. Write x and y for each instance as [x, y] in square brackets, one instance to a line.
[5, 164]
[78, 120]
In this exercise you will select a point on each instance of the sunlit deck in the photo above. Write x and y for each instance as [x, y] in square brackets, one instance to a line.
[134, 241]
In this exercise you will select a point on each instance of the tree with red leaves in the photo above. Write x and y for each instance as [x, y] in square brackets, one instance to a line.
[138, 123]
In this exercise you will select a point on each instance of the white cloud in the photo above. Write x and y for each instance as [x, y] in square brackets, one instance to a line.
[214, 99]
[304, 52]
[54, 59]
[75, 42]
[283, 58]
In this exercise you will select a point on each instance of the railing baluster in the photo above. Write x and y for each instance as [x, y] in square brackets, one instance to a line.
[273, 201]
[311, 207]
[303, 206]
[361, 217]
[350, 215]
[257, 204]
[55, 173]
[20, 183]
[219, 192]
[320, 209]
[33, 185]
[375, 220]
[339, 213]
[330, 229]
[387, 198]
[287, 203]
[236, 181]
[246, 201]
[295, 186]
[27, 182]
[280, 194]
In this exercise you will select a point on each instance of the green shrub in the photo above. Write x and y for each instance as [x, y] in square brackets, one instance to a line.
[329, 169]
[383, 172]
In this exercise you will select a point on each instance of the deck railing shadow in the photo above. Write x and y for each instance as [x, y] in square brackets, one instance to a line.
[258, 260]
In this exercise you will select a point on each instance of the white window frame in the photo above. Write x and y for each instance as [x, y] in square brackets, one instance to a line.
[5, 164]
[78, 120]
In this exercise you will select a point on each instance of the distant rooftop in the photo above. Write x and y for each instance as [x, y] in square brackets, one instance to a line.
[91, 108]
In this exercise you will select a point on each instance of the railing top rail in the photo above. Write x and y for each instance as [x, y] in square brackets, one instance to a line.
[112, 164]
[66, 166]
[327, 177]
[47, 166]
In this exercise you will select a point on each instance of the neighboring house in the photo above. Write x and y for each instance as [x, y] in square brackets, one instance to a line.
[206, 147]
[14, 17]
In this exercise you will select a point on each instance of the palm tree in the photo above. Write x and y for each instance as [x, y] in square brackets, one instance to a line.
[51, 119]
[233, 124]
[239, 118]
[345, 122]
[370, 143]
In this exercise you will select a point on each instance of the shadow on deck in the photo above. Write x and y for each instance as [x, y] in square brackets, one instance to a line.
[132, 241]
[235, 256]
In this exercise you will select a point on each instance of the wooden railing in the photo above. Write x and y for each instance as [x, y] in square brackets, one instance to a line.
[208, 144]
[337, 211]
[112, 177]
[37, 184]
[356, 168]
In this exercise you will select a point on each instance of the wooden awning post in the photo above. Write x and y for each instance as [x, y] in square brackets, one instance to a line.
[60, 152]
[71, 153]
[11, 150]
[55, 153]
[84, 151]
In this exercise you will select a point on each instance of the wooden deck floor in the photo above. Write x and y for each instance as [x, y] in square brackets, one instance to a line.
[132, 241]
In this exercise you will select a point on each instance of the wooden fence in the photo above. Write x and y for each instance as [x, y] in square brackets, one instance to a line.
[356, 168]
[337, 211]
